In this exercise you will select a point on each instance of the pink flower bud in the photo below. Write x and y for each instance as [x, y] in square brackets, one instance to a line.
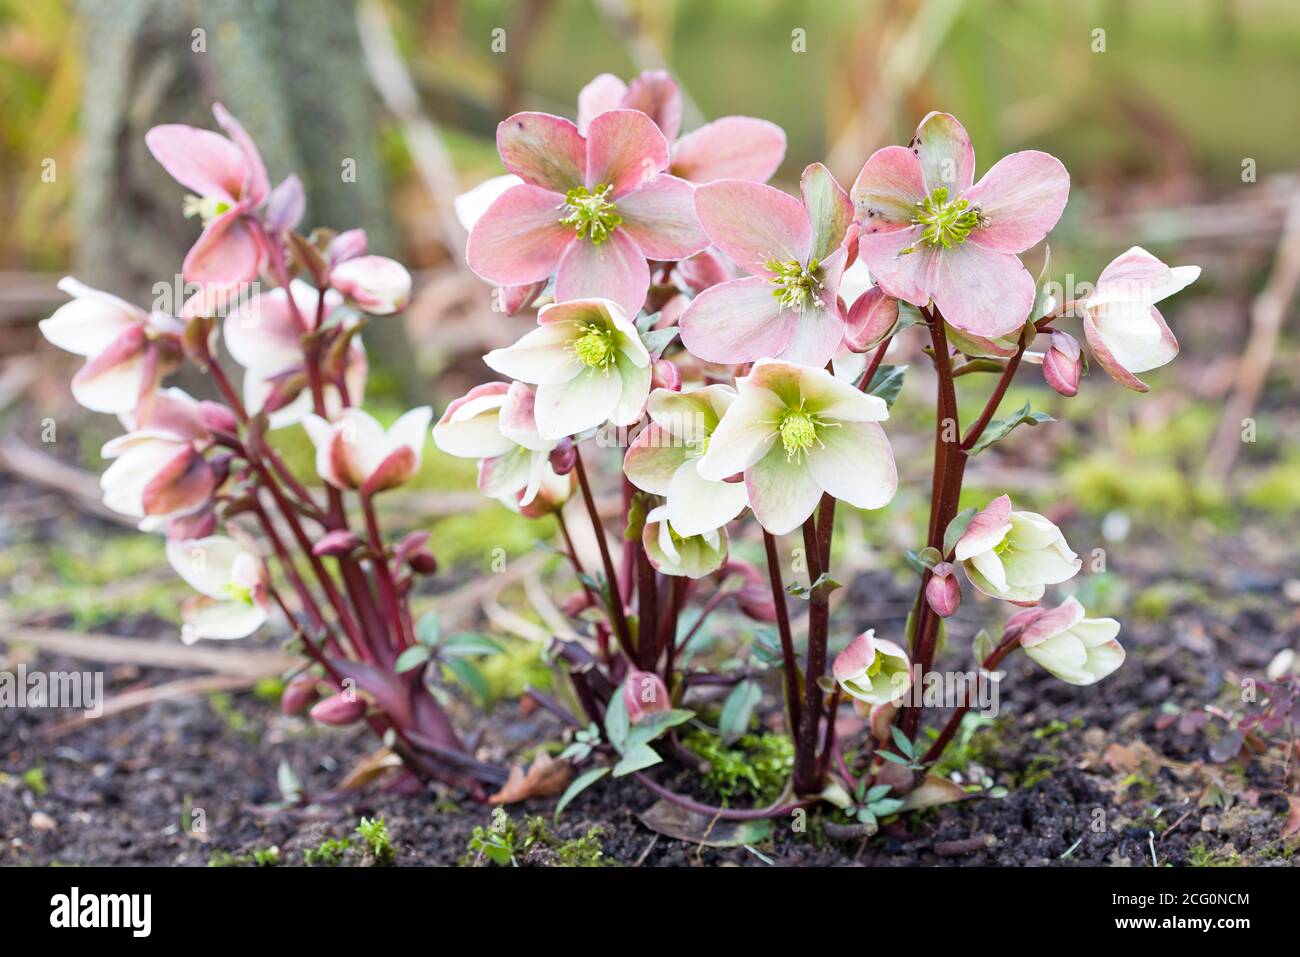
[577, 603]
[563, 457]
[336, 544]
[755, 596]
[664, 375]
[185, 528]
[218, 418]
[943, 591]
[346, 245]
[513, 300]
[871, 318]
[644, 693]
[374, 284]
[415, 551]
[298, 694]
[339, 709]
[1063, 364]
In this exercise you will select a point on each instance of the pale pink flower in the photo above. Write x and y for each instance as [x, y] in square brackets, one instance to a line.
[673, 552]
[665, 456]
[264, 335]
[928, 234]
[374, 284]
[230, 181]
[588, 363]
[1078, 650]
[355, 452]
[873, 670]
[733, 147]
[788, 306]
[232, 601]
[1013, 555]
[495, 424]
[470, 207]
[127, 350]
[1124, 329]
[159, 470]
[797, 432]
[591, 210]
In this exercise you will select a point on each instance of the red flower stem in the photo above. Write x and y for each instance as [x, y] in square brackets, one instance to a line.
[308, 601]
[994, 658]
[999, 392]
[668, 628]
[383, 575]
[647, 606]
[718, 598]
[828, 743]
[789, 664]
[864, 382]
[612, 589]
[806, 778]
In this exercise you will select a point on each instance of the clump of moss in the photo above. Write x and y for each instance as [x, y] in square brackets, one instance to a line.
[979, 739]
[1198, 855]
[532, 843]
[260, 857]
[756, 767]
[1041, 767]
[328, 853]
[374, 832]
[34, 778]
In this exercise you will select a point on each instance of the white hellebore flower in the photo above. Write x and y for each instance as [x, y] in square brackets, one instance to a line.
[232, 600]
[873, 670]
[665, 456]
[690, 556]
[494, 424]
[354, 451]
[1013, 555]
[588, 363]
[796, 432]
[1078, 650]
[1124, 329]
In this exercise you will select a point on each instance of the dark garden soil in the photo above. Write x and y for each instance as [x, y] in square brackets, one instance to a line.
[1126, 773]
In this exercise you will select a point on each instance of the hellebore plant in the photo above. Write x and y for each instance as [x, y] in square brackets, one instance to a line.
[692, 335]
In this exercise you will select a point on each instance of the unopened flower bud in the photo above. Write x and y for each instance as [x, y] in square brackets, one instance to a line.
[374, 284]
[298, 694]
[339, 709]
[563, 457]
[336, 544]
[195, 525]
[1063, 364]
[664, 375]
[414, 550]
[943, 591]
[871, 317]
[644, 693]
[346, 245]
[755, 596]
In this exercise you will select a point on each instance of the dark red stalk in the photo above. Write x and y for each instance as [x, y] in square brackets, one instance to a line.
[615, 605]
[789, 664]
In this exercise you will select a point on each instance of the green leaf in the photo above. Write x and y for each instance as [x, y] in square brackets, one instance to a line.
[900, 741]
[577, 786]
[866, 817]
[875, 793]
[289, 783]
[982, 646]
[657, 340]
[617, 721]
[468, 675]
[737, 710]
[1041, 296]
[887, 383]
[886, 807]
[636, 759]
[428, 629]
[655, 724]
[957, 528]
[824, 585]
[998, 429]
[890, 756]
[767, 646]
[467, 643]
[412, 658]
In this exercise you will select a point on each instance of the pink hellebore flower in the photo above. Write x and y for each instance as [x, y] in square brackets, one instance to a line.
[873, 670]
[230, 179]
[796, 433]
[588, 363]
[644, 693]
[264, 335]
[470, 207]
[788, 306]
[159, 470]
[354, 451]
[734, 147]
[1123, 327]
[1078, 650]
[374, 284]
[232, 600]
[665, 456]
[672, 552]
[127, 350]
[1013, 555]
[928, 234]
[591, 210]
[494, 423]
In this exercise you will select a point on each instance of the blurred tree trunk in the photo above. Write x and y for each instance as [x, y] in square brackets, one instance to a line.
[290, 70]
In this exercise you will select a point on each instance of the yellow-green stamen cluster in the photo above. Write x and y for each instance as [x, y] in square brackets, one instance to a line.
[947, 224]
[595, 348]
[206, 208]
[590, 213]
[795, 285]
[239, 593]
[877, 662]
[798, 431]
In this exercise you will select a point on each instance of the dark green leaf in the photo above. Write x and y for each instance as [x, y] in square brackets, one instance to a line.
[887, 383]
[412, 658]
[900, 741]
[957, 528]
[473, 679]
[737, 710]
[428, 629]
[617, 722]
[636, 759]
[578, 785]
[653, 725]
[998, 429]
[467, 644]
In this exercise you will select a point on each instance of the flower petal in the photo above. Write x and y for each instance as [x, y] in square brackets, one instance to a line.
[854, 463]
[205, 563]
[580, 404]
[1023, 196]
[201, 160]
[887, 190]
[782, 492]
[754, 224]
[945, 153]
[660, 218]
[697, 505]
[744, 435]
[830, 211]
[469, 427]
[473, 203]
[737, 321]
[256, 185]
[819, 331]
[903, 275]
[520, 238]
[733, 147]
[653, 459]
[986, 530]
[979, 290]
[543, 150]
[614, 269]
[115, 378]
[624, 150]
[602, 94]
[205, 618]
[655, 94]
[1127, 338]
[226, 251]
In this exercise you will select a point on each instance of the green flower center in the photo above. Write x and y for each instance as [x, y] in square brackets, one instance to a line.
[947, 223]
[595, 347]
[590, 213]
[1002, 547]
[240, 593]
[206, 208]
[877, 663]
[794, 284]
[798, 431]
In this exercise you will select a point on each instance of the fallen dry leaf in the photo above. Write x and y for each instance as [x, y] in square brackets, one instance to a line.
[933, 792]
[1292, 825]
[546, 778]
